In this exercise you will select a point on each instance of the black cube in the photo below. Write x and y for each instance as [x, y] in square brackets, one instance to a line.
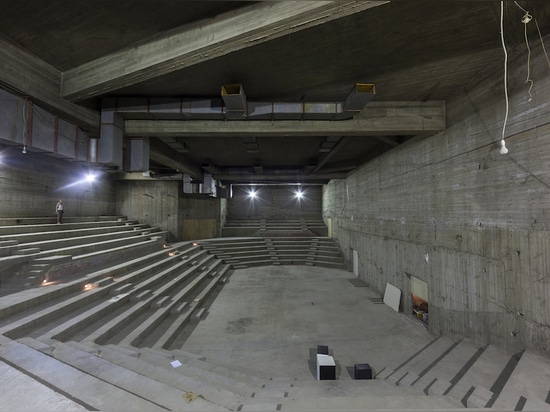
[327, 373]
[322, 350]
[362, 371]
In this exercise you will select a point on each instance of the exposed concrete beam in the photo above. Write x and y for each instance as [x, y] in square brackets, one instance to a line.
[29, 76]
[289, 177]
[162, 153]
[385, 118]
[201, 42]
[332, 152]
[392, 141]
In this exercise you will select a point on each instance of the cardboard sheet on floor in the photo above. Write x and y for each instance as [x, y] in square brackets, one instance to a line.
[392, 297]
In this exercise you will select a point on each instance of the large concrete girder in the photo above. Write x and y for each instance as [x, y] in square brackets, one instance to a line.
[278, 177]
[201, 42]
[381, 118]
[162, 153]
[30, 76]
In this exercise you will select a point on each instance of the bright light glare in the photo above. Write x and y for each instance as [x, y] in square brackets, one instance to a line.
[299, 194]
[90, 177]
[252, 194]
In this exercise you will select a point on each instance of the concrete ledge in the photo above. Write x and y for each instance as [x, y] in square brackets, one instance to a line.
[74, 382]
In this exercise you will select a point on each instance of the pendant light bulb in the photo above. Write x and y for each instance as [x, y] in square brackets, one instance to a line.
[503, 148]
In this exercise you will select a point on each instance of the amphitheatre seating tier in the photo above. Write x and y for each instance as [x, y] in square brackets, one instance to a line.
[32, 251]
[246, 252]
[144, 292]
[110, 336]
[274, 227]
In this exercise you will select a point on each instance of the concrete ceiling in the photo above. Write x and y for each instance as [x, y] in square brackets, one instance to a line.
[69, 55]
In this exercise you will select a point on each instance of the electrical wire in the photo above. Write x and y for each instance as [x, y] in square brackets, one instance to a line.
[542, 42]
[526, 19]
[503, 149]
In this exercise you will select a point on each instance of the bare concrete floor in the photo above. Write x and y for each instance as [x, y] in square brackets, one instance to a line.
[271, 319]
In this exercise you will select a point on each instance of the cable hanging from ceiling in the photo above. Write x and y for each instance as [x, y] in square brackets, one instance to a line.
[526, 19]
[503, 148]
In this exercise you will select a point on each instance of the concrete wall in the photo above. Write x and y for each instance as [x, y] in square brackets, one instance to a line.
[162, 204]
[202, 217]
[275, 202]
[32, 183]
[156, 203]
[452, 211]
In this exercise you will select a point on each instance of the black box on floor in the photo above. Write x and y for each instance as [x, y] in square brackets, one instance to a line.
[327, 373]
[362, 371]
[322, 350]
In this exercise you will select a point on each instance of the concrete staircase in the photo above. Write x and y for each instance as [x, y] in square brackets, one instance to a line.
[115, 377]
[247, 252]
[275, 227]
[474, 376]
[33, 252]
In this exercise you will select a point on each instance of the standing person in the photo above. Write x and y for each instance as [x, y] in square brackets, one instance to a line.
[59, 211]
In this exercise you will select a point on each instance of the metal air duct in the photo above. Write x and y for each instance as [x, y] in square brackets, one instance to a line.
[235, 101]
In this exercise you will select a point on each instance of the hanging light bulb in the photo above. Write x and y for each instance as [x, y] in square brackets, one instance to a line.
[503, 148]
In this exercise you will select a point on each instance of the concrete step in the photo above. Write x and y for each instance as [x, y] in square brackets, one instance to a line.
[239, 388]
[91, 392]
[130, 270]
[528, 380]
[65, 233]
[481, 376]
[47, 224]
[422, 361]
[254, 382]
[157, 393]
[53, 260]
[7, 247]
[449, 369]
[110, 327]
[368, 402]
[26, 251]
[11, 382]
[170, 375]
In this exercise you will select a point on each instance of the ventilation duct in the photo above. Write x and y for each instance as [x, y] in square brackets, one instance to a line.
[111, 135]
[136, 154]
[234, 105]
[235, 101]
[28, 125]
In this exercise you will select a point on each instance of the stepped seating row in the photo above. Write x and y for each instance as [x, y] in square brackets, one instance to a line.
[152, 377]
[87, 330]
[49, 220]
[246, 252]
[274, 227]
[107, 340]
[477, 377]
[171, 285]
[28, 252]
